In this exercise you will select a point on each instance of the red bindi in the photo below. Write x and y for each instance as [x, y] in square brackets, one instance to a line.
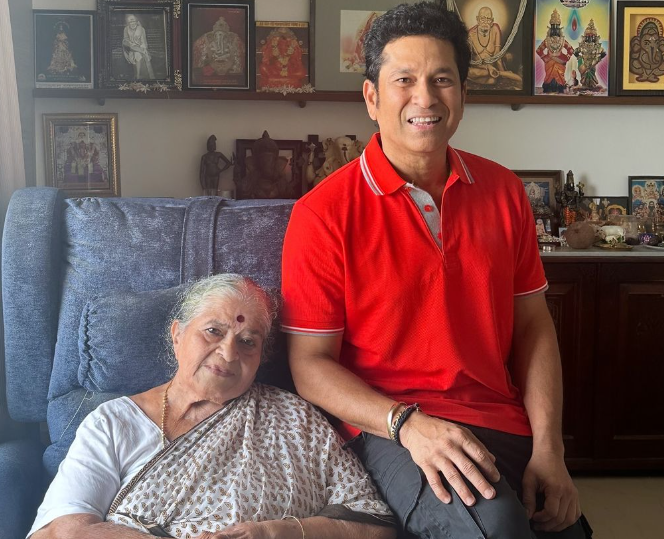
[240, 318]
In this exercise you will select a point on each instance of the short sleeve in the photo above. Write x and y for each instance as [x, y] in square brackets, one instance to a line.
[87, 479]
[312, 276]
[529, 275]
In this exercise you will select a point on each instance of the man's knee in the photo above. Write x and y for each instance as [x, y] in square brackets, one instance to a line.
[503, 517]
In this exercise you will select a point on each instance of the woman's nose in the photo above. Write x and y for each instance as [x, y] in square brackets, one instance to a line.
[228, 350]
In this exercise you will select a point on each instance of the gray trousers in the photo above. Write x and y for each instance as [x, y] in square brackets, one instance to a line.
[421, 514]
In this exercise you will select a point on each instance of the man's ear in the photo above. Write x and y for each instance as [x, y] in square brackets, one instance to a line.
[370, 93]
[175, 332]
[464, 94]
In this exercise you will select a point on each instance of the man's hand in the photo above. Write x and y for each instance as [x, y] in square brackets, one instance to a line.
[546, 473]
[440, 446]
[271, 529]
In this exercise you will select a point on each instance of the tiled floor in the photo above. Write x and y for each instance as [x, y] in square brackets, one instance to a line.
[623, 508]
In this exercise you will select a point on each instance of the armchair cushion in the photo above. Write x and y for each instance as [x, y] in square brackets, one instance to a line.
[122, 341]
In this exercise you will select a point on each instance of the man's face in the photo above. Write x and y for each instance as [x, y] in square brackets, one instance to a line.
[419, 101]
[132, 22]
[485, 20]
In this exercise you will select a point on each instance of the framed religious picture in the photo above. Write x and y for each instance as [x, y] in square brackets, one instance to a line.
[339, 30]
[220, 52]
[500, 36]
[282, 57]
[64, 49]
[541, 187]
[572, 47]
[82, 154]
[646, 197]
[268, 168]
[601, 208]
[640, 48]
[139, 44]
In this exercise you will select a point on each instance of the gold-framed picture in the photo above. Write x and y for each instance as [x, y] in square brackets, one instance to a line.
[82, 154]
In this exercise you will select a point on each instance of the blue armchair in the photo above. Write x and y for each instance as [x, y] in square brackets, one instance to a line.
[86, 286]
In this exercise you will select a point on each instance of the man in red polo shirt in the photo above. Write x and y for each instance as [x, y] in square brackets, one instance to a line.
[413, 296]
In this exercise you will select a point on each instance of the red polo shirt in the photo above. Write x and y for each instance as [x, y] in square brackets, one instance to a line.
[424, 299]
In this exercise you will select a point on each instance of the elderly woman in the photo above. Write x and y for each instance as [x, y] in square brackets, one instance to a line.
[212, 454]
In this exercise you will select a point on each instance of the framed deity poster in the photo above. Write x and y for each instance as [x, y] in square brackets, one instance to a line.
[640, 48]
[139, 44]
[646, 197]
[282, 57]
[500, 37]
[220, 51]
[572, 47]
[541, 188]
[339, 29]
[82, 155]
[64, 49]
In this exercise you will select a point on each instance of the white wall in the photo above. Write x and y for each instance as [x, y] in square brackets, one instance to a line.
[161, 141]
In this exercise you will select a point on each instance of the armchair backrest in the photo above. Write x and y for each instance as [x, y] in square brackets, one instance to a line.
[59, 254]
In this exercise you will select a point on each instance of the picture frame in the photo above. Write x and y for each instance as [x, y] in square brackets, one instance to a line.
[139, 44]
[541, 187]
[639, 21]
[282, 57]
[646, 197]
[64, 49]
[287, 183]
[505, 29]
[228, 22]
[571, 64]
[604, 207]
[340, 68]
[82, 154]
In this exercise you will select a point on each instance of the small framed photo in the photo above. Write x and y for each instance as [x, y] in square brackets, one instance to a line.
[572, 47]
[640, 48]
[541, 187]
[268, 168]
[64, 49]
[646, 197]
[600, 208]
[82, 154]
[338, 30]
[500, 37]
[139, 45]
[220, 50]
[282, 57]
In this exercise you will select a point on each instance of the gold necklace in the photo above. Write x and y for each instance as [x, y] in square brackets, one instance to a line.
[164, 411]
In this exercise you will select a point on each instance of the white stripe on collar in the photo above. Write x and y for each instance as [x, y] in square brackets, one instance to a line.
[465, 168]
[367, 175]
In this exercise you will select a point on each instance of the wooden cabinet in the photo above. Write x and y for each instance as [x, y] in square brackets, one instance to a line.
[609, 316]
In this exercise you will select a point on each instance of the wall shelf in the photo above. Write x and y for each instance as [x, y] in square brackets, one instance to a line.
[515, 101]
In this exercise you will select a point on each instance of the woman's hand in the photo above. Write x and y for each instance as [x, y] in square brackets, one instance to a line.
[271, 529]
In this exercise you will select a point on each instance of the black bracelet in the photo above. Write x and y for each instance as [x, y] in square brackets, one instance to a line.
[402, 419]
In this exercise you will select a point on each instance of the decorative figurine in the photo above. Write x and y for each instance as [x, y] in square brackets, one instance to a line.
[211, 167]
[589, 53]
[338, 152]
[569, 199]
[265, 173]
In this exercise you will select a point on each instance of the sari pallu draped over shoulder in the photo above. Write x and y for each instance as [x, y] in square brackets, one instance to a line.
[264, 455]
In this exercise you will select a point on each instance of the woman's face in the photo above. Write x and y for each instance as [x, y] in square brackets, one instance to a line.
[219, 351]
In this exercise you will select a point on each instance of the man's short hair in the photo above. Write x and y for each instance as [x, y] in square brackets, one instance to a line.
[422, 19]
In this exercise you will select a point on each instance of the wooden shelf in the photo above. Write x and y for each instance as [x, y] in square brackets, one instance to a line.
[514, 101]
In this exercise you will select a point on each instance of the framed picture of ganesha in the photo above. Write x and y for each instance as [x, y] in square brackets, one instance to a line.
[82, 154]
[640, 48]
[220, 48]
[282, 57]
[500, 37]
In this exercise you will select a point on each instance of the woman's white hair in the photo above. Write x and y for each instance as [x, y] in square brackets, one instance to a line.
[220, 288]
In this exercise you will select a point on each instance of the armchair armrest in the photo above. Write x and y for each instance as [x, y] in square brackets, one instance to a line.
[21, 488]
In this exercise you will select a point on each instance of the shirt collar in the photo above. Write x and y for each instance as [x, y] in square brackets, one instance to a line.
[382, 179]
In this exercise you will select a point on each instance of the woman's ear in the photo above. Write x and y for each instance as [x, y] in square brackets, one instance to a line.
[175, 332]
